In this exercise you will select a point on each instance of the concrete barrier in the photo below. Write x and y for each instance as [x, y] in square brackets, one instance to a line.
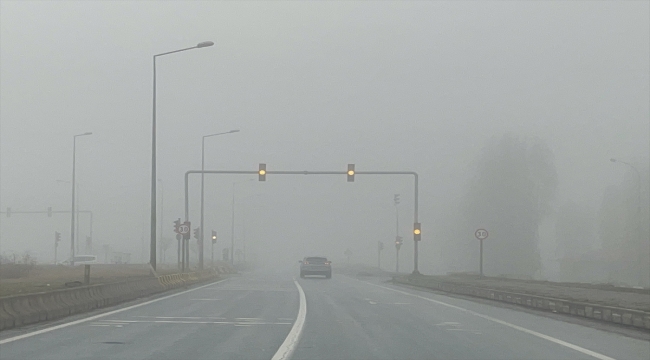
[19, 310]
[629, 317]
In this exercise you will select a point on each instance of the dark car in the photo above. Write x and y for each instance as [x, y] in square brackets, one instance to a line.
[315, 265]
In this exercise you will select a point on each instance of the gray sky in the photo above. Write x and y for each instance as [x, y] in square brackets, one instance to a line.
[312, 85]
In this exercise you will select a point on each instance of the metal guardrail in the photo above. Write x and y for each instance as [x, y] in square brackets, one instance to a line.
[630, 317]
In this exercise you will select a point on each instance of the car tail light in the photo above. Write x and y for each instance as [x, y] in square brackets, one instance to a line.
[306, 262]
[328, 262]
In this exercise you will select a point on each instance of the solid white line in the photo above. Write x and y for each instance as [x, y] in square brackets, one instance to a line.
[291, 342]
[513, 326]
[90, 318]
[125, 322]
[179, 317]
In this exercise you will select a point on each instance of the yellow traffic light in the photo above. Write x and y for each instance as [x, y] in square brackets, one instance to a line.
[262, 172]
[350, 172]
[417, 232]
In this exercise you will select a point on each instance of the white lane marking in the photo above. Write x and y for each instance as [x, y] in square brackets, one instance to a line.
[179, 317]
[372, 303]
[90, 318]
[465, 330]
[448, 324]
[516, 327]
[291, 342]
[264, 290]
[286, 319]
[194, 322]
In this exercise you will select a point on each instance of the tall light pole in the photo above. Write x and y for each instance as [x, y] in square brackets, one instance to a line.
[398, 242]
[232, 224]
[638, 201]
[77, 218]
[152, 250]
[76, 213]
[162, 210]
[74, 170]
[201, 232]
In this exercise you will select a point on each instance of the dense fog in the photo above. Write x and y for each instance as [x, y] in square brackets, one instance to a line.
[509, 112]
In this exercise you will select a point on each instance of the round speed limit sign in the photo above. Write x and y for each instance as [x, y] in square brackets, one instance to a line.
[184, 229]
[481, 234]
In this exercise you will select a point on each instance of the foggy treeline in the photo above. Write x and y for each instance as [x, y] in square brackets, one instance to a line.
[513, 193]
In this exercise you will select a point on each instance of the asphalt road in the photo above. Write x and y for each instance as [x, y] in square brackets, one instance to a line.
[255, 316]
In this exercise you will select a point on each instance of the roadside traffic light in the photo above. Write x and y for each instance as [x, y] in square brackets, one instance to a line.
[262, 172]
[197, 234]
[417, 232]
[49, 211]
[57, 238]
[177, 225]
[214, 237]
[396, 199]
[350, 172]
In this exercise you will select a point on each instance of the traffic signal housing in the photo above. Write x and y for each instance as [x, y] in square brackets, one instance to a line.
[350, 172]
[177, 225]
[261, 172]
[197, 234]
[417, 232]
[57, 238]
[214, 237]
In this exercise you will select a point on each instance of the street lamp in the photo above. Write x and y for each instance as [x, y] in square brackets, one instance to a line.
[638, 182]
[202, 192]
[398, 242]
[162, 209]
[152, 250]
[232, 225]
[74, 168]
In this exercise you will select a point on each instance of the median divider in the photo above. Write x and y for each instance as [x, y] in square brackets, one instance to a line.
[20, 310]
[630, 317]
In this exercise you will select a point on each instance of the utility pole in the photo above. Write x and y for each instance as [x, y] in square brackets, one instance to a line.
[72, 212]
[202, 235]
[398, 239]
[162, 209]
[232, 229]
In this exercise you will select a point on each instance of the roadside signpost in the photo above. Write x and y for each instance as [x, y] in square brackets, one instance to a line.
[481, 234]
[184, 231]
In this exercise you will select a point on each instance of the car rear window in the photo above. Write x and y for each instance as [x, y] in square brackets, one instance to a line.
[316, 260]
